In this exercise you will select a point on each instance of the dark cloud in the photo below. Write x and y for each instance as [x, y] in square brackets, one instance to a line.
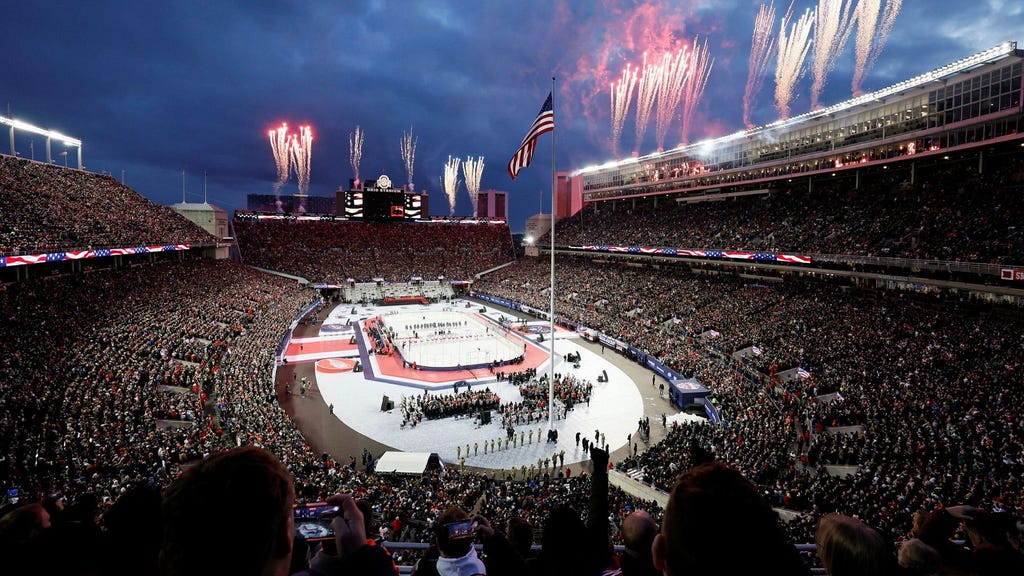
[155, 88]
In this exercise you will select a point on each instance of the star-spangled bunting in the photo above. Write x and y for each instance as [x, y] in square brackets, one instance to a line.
[50, 257]
[756, 256]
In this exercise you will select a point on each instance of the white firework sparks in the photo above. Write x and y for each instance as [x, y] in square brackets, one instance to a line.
[832, 28]
[408, 146]
[646, 94]
[450, 182]
[472, 170]
[697, 74]
[794, 45]
[674, 73]
[282, 162]
[355, 151]
[761, 45]
[621, 95]
[302, 154]
[871, 35]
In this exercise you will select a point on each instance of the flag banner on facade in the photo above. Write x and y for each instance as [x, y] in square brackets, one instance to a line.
[544, 123]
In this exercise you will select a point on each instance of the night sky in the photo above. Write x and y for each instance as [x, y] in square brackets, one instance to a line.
[154, 88]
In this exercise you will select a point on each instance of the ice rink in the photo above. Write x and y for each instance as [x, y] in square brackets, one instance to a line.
[451, 338]
[614, 411]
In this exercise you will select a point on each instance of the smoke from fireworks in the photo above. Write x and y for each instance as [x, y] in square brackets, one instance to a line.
[761, 46]
[450, 182]
[471, 172]
[674, 69]
[789, 67]
[621, 95]
[408, 146]
[355, 151]
[871, 35]
[832, 28]
[697, 74]
[279, 147]
[302, 153]
[646, 94]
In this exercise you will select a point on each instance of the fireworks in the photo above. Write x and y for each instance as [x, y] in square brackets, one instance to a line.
[789, 67]
[622, 95]
[871, 35]
[471, 172]
[301, 153]
[831, 31]
[761, 46]
[674, 69]
[450, 182]
[408, 147]
[697, 74]
[355, 152]
[279, 147]
[646, 93]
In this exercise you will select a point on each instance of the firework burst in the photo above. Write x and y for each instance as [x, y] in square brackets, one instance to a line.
[279, 147]
[450, 182]
[301, 154]
[761, 45]
[674, 69]
[472, 170]
[697, 74]
[355, 151]
[832, 28]
[646, 93]
[621, 96]
[794, 45]
[871, 35]
[408, 147]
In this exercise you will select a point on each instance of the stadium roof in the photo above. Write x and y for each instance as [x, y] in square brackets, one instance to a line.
[963, 65]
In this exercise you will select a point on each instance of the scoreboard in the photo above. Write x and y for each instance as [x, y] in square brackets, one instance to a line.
[387, 205]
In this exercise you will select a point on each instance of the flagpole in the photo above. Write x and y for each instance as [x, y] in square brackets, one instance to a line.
[551, 376]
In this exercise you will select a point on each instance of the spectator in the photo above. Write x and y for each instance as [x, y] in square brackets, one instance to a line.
[849, 547]
[354, 555]
[134, 527]
[638, 532]
[992, 550]
[254, 537]
[520, 536]
[919, 559]
[19, 530]
[716, 522]
[453, 535]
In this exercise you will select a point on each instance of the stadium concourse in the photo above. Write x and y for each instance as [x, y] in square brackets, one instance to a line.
[317, 373]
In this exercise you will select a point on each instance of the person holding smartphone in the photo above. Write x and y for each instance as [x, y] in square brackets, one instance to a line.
[454, 533]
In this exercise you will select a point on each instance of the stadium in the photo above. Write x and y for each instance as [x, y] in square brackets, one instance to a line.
[830, 304]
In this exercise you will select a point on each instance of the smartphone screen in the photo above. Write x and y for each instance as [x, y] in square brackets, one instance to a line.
[461, 529]
[313, 521]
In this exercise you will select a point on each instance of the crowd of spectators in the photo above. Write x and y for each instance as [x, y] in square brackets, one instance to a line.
[87, 383]
[928, 385]
[49, 208]
[329, 251]
[950, 212]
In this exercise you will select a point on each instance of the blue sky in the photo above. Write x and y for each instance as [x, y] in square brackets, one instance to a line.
[154, 88]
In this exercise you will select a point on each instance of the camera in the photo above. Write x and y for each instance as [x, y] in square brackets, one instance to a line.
[313, 521]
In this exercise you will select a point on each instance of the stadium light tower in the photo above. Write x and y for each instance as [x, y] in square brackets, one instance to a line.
[48, 134]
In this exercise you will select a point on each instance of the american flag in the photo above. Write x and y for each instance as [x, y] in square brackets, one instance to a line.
[544, 123]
